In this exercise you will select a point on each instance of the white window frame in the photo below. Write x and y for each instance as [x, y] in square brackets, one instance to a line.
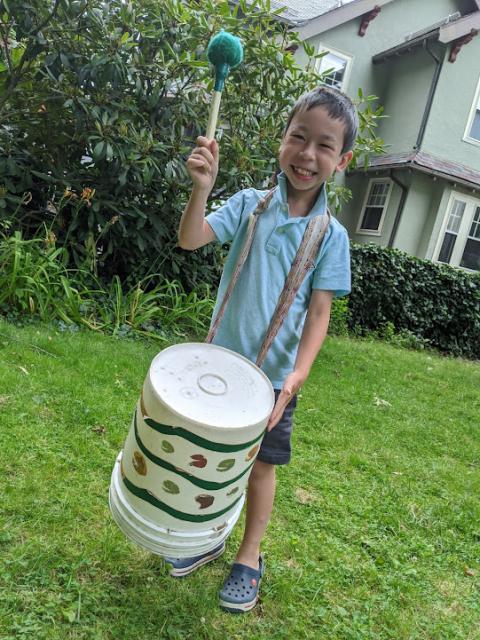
[372, 232]
[323, 48]
[471, 116]
[471, 205]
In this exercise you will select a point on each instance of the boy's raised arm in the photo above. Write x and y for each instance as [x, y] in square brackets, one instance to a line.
[202, 165]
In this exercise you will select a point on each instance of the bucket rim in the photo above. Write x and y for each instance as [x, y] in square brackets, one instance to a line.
[197, 423]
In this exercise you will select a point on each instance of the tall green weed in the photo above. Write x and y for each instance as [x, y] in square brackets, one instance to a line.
[35, 281]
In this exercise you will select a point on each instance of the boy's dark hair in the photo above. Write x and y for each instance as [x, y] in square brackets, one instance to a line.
[338, 106]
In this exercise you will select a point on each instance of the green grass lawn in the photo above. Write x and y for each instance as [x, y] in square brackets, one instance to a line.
[376, 531]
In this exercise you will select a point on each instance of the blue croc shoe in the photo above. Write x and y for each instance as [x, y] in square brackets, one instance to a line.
[240, 589]
[183, 566]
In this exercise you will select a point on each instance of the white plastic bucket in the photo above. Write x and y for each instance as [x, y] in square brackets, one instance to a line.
[178, 486]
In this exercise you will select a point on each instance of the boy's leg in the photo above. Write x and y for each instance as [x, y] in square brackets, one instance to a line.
[275, 449]
[260, 497]
[240, 589]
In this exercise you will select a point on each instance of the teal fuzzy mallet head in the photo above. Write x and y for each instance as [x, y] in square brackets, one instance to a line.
[224, 52]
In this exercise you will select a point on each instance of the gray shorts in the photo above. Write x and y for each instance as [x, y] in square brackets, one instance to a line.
[276, 444]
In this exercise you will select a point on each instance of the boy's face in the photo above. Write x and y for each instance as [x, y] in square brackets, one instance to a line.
[311, 150]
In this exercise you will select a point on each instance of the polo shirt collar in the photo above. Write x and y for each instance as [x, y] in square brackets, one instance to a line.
[318, 208]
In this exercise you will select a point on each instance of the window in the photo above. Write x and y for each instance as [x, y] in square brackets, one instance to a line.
[472, 133]
[375, 206]
[336, 65]
[451, 232]
[459, 243]
[471, 253]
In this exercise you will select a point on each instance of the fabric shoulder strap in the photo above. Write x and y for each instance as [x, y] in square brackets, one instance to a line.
[303, 263]
[252, 223]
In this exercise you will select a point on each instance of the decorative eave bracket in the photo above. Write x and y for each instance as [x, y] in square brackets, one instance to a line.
[459, 43]
[367, 18]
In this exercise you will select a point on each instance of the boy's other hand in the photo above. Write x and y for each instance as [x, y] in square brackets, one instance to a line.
[291, 386]
[202, 163]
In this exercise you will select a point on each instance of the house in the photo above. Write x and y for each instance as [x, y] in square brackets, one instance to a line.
[422, 60]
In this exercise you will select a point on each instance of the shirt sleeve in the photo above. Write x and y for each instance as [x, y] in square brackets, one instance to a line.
[332, 272]
[225, 220]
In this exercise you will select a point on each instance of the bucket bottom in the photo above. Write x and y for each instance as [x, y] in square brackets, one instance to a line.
[163, 541]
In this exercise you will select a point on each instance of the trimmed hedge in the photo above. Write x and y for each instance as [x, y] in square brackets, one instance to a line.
[434, 302]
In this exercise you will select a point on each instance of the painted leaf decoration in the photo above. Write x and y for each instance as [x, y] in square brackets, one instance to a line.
[232, 491]
[225, 465]
[139, 463]
[252, 452]
[170, 487]
[167, 447]
[204, 500]
[198, 461]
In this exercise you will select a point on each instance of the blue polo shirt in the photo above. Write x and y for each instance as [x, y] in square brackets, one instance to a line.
[255, 296]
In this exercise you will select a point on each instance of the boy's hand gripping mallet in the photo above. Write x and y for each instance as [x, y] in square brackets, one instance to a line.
[224, 52]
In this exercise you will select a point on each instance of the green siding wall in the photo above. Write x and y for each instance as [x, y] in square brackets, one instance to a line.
[421, 206]
[404, 99]
[451, 107]
[394, 22]
[402, 85]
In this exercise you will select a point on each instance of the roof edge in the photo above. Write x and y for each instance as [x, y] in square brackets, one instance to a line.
[337, 16]
[424, 163]
[459, 28]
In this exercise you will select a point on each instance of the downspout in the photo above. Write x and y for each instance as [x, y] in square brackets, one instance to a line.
[431, 93]
[401, 205]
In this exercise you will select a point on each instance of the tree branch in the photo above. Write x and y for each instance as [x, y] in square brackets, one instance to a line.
[5, 32]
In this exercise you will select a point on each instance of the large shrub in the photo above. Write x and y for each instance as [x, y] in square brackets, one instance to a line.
[100, 103]
[434, 302]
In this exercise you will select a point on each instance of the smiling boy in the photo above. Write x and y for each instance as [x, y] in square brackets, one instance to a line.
[318, 141]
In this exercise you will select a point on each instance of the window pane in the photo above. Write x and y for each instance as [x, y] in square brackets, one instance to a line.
[335, 77]
[379, 187]
[378, 194]
[475, 129]
[331, 61]
[475, 228]
[371, 218]
[455, 217]
[471, 255]
[447, 247]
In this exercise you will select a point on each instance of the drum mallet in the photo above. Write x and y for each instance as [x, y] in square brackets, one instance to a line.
[224, 52]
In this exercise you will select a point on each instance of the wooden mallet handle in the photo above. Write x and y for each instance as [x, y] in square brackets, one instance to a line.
[213, 116]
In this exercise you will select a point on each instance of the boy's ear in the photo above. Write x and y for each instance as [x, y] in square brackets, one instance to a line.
[344, 161]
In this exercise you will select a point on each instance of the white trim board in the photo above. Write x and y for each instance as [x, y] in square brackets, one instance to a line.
[338, 16]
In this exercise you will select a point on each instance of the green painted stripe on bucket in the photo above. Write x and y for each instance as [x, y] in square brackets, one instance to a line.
[143, 494]
[198, 440]
[204, 484]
